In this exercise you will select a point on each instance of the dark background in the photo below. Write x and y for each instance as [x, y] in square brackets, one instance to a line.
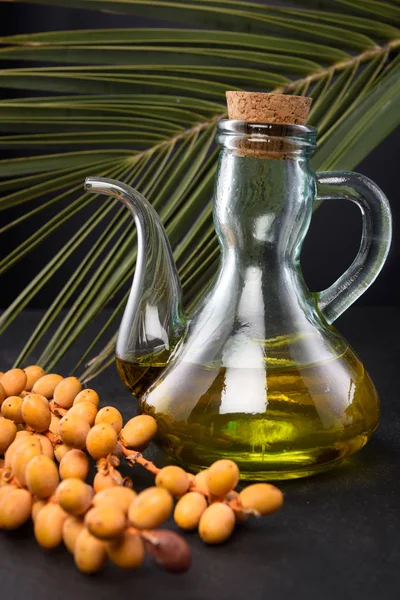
[338, 536]
[335, 231]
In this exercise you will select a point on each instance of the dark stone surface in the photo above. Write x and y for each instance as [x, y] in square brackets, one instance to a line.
[337, 537]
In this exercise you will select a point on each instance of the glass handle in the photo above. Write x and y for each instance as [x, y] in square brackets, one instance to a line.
[375, 240]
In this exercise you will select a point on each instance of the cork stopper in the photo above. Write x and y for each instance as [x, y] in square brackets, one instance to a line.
[257, 107]
[260, 108]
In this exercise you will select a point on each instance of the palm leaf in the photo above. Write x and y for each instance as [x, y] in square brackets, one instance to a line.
[141, 104]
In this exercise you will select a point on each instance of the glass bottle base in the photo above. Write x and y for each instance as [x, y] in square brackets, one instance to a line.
[274, 423]
[277, 466]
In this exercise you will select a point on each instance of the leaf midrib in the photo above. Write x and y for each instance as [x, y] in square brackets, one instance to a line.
[344, 64]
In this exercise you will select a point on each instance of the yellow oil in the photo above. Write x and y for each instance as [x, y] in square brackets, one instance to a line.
[275, 423]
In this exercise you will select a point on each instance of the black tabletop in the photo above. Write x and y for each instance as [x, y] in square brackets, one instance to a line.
[338, 535]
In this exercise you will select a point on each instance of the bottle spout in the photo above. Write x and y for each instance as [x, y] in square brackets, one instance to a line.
[152, 319]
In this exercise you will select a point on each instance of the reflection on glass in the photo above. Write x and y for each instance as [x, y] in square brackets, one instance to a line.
[255, 372]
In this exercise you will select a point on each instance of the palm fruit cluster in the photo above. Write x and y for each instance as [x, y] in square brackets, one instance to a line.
[51, 430]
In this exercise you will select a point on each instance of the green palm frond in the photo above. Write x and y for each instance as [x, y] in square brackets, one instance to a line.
[141, 105]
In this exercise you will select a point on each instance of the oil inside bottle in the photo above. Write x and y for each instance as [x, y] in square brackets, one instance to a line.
[276, 423]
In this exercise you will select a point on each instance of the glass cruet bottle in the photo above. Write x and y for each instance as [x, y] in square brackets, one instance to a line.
[257, 373]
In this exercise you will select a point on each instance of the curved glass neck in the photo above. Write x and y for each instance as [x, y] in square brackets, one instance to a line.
[263, 199]
[264, 188]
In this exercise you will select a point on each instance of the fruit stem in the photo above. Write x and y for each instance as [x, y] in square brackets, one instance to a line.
[138, 458]
[8, 478]
[54, 439]
[193, 488]
[149, 537]
[57, 410]
[237, 507]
